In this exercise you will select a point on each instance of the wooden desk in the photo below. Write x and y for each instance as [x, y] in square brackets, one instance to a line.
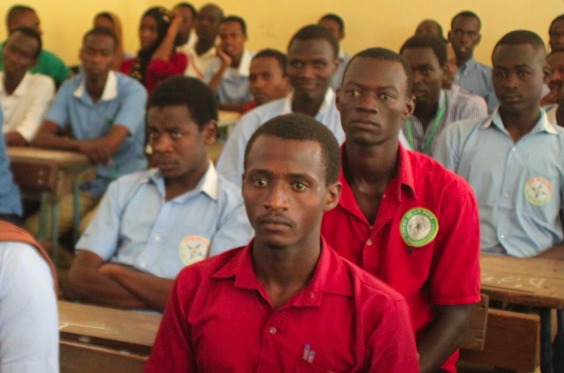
[51, 174]
[95, 339]
[532, 282]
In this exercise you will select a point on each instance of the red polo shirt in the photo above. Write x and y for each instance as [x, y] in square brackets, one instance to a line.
[444, 271]
[219, 319]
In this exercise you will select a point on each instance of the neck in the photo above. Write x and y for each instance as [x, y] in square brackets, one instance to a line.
[307, 105]
[12, 81]
[95, 86]
[425, 112]
[371, 165]
[180, 185]
[462, 60]
[518, 124]
[202, 46]
[236, 61]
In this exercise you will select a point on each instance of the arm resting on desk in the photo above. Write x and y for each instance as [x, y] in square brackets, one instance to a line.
[555, 252]
[152, 290]
[13, 138]
[88, 284]
[443, 336]
[99, 150]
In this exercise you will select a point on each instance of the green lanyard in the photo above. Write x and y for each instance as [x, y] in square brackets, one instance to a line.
[431, 133]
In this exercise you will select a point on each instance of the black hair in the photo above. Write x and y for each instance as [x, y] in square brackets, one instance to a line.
[436, 24]
[554, 51]
[186, 91]
[16, 11]
[238, 20]
[428, 41]
[335, 18]
[466, 14]
[101, 31]
[557, 19]
[311, 32]
[188, 6]
[383, 54]
[31, 32]
[301, 127]
[273, 53]
[106, 15]
[518, 37]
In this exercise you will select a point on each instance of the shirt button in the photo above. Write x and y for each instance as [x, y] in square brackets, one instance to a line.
[157, 238]
[502, 236]
[506, 195]
[369, 242]
[272, 330]
[142, 264]
[513, 149]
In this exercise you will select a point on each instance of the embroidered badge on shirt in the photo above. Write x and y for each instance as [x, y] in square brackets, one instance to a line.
[538, 191]
[193, 249]
[418, 227]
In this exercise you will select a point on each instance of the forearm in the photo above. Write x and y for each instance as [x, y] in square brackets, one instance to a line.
[152, 290]
[443, 336]
[217, 78]
[554, 252]
[163, 51]
[14, 138]
[45, 139]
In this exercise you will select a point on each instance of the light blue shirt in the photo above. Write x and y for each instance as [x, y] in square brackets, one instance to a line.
[10, 201]
[122, 102]
[136, 226]
[519, 186]
[230, 162]
[234, 87]
[337, 78]
[29, 328]
[477, 79]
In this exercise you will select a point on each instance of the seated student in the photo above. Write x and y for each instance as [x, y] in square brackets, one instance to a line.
[24, 97]
[228, 76]
[47, 62]
[111, 21]
[268, 80]
[153, 223]
[555, 60]
[402, 216]
[472, 75]
[336, 25]
[105, 112]
[556, 33]
[10, 201]
[286, 301]
[312, 61]
[157, 58]
[185, 31]
[29, 328]
[435, 107]
[202, 53]
[514, 158]
[430, 27]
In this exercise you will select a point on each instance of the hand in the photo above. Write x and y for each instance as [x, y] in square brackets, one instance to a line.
[175, 24]
[109, 269]
[225, 58]
[96, 151]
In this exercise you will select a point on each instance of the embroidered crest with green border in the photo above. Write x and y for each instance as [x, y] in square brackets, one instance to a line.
[418, 227]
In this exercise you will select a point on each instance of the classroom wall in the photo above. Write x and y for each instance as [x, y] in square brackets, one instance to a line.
[272, 22]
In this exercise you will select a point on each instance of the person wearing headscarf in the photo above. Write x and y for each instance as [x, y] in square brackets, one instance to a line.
[112, 22]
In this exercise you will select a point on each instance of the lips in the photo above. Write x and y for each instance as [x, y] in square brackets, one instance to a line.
[163, 164]
[275, 222]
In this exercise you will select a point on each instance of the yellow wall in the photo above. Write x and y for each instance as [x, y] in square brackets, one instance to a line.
[272, 22]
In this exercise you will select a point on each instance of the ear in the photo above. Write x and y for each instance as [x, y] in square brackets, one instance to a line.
[546, 73]
[479, 39]
[449, 36]
[333, 195]
[336, 63]
[409, 107]
[338, 97]
[210, 132]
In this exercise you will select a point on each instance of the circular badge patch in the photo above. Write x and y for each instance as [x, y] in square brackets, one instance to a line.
[193, 249]
[538, 191]
[418, 227]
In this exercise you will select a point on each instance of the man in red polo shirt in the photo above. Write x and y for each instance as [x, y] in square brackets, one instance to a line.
[286, 302]
[401, 215]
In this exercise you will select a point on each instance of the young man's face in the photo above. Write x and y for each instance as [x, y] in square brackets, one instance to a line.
[285, 192]
[451, 68]
[428, 75]
[556, 63]
[20, 53]
[518, 74]
[26, 19]
[373, 101]
[556, 35]
[232, 39]
[178, 145]
[465, 36]
[187, 23]
[207, 23]
[267, 81]
[334, 27]
[98, 54]
[311, 64]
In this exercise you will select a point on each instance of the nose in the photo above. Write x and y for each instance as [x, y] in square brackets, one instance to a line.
[368, 102]
[306, 72]
[161, 143]
[277, 198]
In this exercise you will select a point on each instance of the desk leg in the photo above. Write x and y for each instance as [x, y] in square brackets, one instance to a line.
[559, 353]
[546, 342]
[55, 231]
[43, 205]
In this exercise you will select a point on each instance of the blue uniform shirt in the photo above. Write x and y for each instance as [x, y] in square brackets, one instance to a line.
[10, 202]
[477, 79]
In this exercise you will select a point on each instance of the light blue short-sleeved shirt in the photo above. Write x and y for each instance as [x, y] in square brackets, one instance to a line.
[519, 186]
[230, 162]
[477, 79]
[122, 102]
[234, 87]
[29, 327]
[337, 78]
[10, 202]
[136, 226]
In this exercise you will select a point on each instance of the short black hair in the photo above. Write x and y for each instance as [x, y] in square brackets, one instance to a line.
[428, 41]
[101, 31]
[519, 37]
[311, 32]
[466, 14]
[188, 6]
[186, 91]
[335, 18]
[557, 19]
[301, 127]
[236, 19]
[554, 51]
[383, 54]
[15, 11]
[107, 15]
[28, 31]
[273, 53]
